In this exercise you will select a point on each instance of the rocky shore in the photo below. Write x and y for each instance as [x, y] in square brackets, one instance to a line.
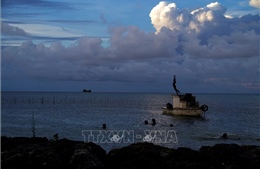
[41, 153]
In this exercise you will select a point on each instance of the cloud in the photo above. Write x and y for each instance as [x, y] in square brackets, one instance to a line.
[13, 33]
[44, 30]
[254, 3]
[34, 3]
[88, 60]
[10, 30]
[206, 31]
[202, 47]
[133, 43]
[168, 15]
[237, 44]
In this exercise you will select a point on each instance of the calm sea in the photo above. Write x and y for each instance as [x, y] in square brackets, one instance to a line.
[79, 116]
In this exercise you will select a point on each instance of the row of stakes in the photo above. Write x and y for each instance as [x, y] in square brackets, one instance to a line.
[104, 126]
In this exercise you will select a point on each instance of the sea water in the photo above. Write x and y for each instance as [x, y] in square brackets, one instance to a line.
[80, 116]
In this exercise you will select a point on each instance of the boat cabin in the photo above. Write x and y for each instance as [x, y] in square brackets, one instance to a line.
[184, 101]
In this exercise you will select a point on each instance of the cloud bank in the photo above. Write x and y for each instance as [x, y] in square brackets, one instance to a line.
[7, 30]
[254, 3]
[206, 50]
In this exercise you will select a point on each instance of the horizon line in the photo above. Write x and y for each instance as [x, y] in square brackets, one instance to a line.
[35, 91]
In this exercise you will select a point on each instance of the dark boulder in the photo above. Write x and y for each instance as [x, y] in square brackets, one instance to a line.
[8, 143]
[84, 159]
[138, 155]
[31, 156]
[41, 153]
[87, 156]
[231, 156]
[27, 153]
[184, 158]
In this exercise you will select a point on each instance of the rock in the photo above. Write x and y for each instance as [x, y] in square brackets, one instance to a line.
[31, 156]
[231, 156]
[9, 143]
[40, 153]
[220, 156]
[88, 155]
[27, 153]
[139, 155]
[184, 158]
[84, 159]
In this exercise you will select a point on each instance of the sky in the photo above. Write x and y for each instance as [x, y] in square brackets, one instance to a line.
[130, 46]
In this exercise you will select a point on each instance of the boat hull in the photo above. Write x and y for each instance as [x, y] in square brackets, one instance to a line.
[184, 111]
[86, 91]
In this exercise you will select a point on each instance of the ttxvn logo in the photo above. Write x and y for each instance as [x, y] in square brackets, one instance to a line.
[129, 136]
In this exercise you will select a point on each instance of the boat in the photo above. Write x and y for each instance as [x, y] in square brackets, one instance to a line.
[88, 91]
[185, 105]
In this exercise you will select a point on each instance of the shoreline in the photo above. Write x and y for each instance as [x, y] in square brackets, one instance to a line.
[40, 152]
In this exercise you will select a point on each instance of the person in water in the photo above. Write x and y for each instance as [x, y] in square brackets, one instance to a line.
[224, 135]
[153, 122]
[174, 85]
[104, 126]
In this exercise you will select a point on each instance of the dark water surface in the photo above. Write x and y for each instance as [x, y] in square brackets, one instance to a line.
[74, 115]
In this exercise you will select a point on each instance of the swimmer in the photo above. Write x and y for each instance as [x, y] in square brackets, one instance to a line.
[224, 135]
[153, 122]
[104, 126]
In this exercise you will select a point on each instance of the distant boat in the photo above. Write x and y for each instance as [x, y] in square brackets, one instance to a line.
[87, 91]
[185, 105]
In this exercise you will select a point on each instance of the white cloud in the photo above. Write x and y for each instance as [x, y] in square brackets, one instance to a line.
[255, 3]
[168, 15]
[209, 32]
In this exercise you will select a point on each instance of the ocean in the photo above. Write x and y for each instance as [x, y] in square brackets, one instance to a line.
[80, 116]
